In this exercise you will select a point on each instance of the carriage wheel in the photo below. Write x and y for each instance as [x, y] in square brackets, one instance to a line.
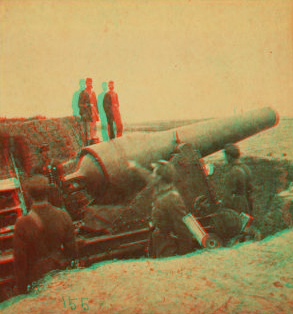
[213, 241]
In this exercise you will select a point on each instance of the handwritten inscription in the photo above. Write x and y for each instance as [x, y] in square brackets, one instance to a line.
[73, 305]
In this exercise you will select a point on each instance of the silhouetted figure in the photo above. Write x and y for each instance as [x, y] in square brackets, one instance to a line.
[43, 238]
[95, 113]
[89, 112]
[50, 168]
[41, 168]
[238, 186]
[111, 107]
[75, 107]
[280, 214]
[170, 236]
[103, 117]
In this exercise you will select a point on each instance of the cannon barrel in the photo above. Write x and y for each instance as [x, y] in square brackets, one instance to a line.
[106, 163]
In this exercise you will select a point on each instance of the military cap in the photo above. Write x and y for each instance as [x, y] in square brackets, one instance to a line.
[232, 150]
[165, 169]
[37, 185]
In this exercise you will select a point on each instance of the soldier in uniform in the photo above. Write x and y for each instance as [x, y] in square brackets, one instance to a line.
[39, 237]
[75, 109]
[238, 186]
[51, 169]
[280, 214]
[85, 111]
[103, 117]
[75, 98]
[95, 112]
[170, 236]
[111, 106]
[44, 160]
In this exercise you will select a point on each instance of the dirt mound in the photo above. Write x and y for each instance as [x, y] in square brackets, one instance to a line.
[59, 133]
[269, 176]
[249, 278]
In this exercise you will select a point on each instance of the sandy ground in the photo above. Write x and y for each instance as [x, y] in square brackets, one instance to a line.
[248, 278]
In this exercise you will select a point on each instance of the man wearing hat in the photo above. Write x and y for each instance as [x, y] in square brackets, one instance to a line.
[75, 107]
[88, 110]
[170, 236]
[50, 168]
[75, 97]
[44, 160]
[103, 117]
[111, 107]
[238, 187]
[42, 238]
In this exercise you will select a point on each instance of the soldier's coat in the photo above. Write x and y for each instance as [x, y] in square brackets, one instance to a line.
[37, 243]
[238, 188]
[167, 213]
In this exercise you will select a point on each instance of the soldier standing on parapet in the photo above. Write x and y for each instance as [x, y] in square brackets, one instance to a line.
[39, 237]
[103, 117]
[111, 107]
[238, 186]
[89, 113]
[75, 107]
[95, 112]
[170, 236]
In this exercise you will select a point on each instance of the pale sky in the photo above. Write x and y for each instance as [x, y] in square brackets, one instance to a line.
[169, 59]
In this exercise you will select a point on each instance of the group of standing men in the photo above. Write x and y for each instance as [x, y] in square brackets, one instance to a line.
[90, 109]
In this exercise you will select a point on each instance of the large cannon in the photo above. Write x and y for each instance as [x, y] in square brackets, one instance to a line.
[104, 166]
[111, 207]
